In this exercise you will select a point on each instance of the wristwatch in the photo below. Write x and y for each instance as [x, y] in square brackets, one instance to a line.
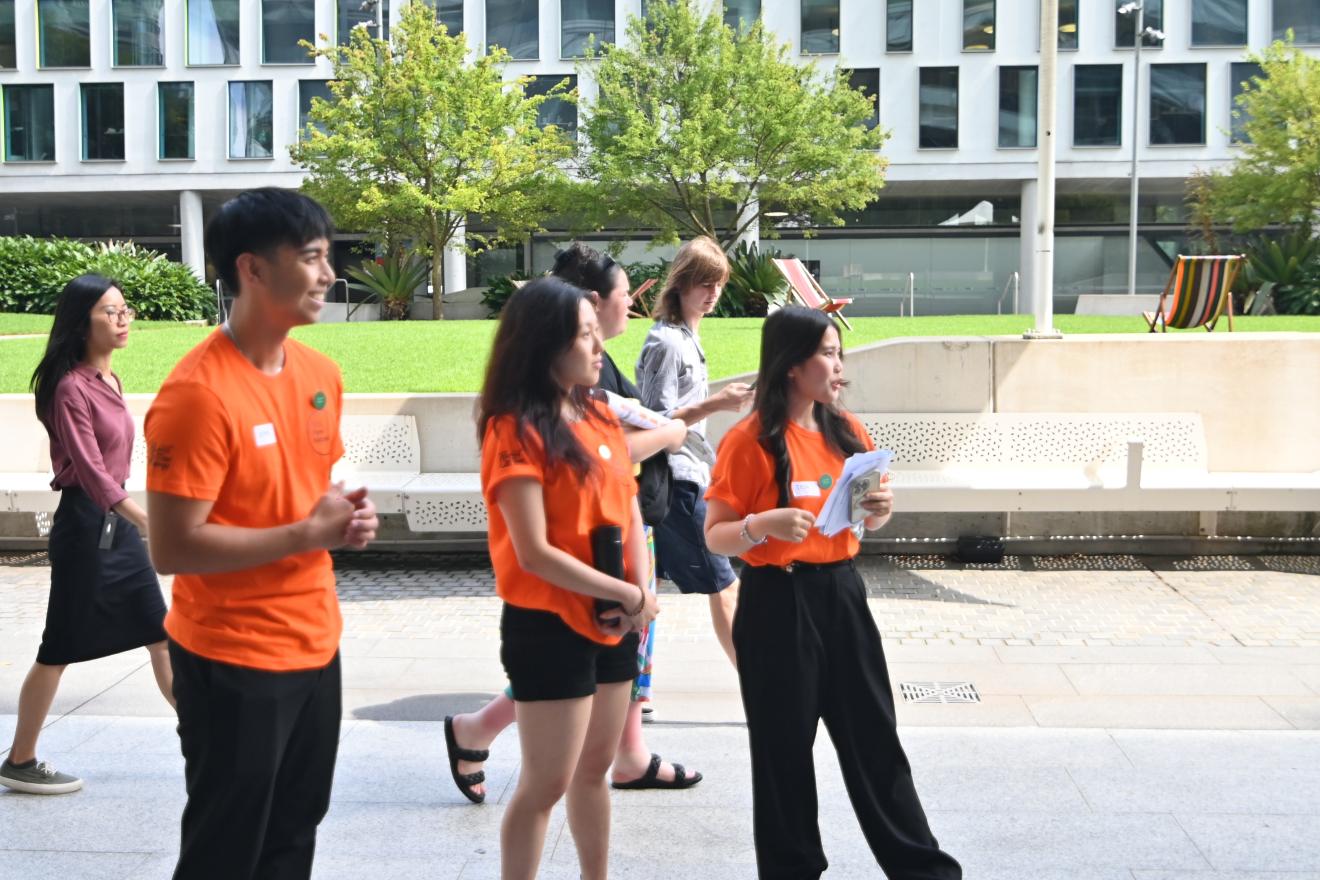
[746, 534]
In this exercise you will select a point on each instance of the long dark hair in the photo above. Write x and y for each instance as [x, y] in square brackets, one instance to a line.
[67, 344]
[790, 337]
[539, 323]
[587, 268]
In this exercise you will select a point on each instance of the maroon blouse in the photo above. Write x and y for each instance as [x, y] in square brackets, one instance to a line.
[91, 436]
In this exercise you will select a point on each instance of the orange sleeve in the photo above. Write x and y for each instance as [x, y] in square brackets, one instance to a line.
[188, 442]
[742, 472]
[505, 455]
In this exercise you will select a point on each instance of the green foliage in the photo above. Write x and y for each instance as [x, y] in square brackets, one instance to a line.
[416, 139]
[498, 292]
[1291, 264]
[641, 272]
[393, 280]
[754, 280]
[697, 130]
[33, 271]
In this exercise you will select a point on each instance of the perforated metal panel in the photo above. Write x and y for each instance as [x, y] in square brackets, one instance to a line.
[381, 443]
[445, 503]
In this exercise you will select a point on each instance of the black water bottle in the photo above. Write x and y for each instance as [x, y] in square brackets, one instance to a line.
[607, 558]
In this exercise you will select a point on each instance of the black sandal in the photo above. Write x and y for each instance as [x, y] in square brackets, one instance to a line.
[650, 779]
[464, 781]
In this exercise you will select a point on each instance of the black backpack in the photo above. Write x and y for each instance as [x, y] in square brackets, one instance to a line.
[655, 489]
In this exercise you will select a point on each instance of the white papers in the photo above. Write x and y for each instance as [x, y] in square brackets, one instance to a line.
[834, 516]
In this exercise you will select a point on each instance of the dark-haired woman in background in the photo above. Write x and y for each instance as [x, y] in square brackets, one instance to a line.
[807, 645]
[104, 595]
[635, 765]
[554, 468]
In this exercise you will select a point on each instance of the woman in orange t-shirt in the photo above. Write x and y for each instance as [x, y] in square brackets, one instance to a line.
[807, 646]
[554, 471]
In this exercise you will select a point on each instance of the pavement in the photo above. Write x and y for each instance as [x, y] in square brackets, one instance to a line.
[1134, 718]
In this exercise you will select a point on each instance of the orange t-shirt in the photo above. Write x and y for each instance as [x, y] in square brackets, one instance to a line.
[260, 447]
[744, 479]
[573, 507]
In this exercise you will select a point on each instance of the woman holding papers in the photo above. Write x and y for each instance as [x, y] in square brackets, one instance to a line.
[807, 645]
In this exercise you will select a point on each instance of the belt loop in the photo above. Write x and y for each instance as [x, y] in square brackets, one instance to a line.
[789, 568]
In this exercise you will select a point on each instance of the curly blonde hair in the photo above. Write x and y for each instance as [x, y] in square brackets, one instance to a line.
[700, 261]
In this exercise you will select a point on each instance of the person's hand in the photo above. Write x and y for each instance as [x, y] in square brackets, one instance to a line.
[881, 501]
[649, 610]
[361, 529]
[327, 524]
[789, 524]
[676, 432]
[732, 397]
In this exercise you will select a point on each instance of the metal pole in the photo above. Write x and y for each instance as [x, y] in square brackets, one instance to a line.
[1043, 286]
[1136, 139]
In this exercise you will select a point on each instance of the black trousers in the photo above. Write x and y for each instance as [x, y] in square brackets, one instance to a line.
[808, 649]
[259, 759]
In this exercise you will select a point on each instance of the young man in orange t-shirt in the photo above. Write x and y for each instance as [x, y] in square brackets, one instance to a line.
[241, 439]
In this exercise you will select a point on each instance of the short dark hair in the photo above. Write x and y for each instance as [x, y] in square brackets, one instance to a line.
[258, 221]
[587, 268]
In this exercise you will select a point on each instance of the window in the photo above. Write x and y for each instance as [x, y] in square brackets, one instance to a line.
[450, 13]
[1302, 17]
[138, 25]
[820, 27]
[283, 24]
[1219, 22]
[938, 110]
[29, 123]
[212, 31]
[584, 23]
[898, 26]
[978, 25]
[307, 90]
[175, 122]
[351, 13]
[740, 14]
[868, 81]
[8, 48]
[1177, 103]
[1097, 105]
[1125, 26]
[1017, 106]
[251, 120]
[1068, 24]
[64, 33]
[514, 25]
[103, 121]
[1242, 72]
[554, 111]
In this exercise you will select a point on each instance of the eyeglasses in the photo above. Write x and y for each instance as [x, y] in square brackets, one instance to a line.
[114, 314]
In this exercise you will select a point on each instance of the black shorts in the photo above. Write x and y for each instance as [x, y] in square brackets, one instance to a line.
[545, 659]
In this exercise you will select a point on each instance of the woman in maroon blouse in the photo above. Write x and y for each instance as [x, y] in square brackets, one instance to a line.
[104, 595]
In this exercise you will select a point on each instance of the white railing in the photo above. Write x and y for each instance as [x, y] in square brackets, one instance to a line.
[911, 296]
[1014, 283]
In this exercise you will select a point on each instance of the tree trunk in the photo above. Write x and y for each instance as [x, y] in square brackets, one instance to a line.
[438, 282]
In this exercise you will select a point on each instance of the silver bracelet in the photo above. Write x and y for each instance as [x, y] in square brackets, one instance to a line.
[746, 534]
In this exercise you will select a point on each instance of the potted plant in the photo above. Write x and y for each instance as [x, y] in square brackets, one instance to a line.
[392, 280]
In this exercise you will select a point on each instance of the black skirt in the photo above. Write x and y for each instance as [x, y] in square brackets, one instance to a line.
[101, 602]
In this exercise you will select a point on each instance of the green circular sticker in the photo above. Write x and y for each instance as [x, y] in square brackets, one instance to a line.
[826, 481]
[318, 400]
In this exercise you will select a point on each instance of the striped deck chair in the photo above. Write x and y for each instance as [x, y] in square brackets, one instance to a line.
[1197, 294]
[808, 291]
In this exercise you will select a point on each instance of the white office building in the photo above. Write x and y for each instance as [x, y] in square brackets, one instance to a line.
[135, 118]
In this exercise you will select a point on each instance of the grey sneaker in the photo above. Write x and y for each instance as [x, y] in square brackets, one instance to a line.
[40, 778]
[648, 713]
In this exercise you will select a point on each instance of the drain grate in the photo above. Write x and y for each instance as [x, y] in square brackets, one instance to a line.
[939, 692]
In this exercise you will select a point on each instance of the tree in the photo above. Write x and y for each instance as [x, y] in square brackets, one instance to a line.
[1276, 179]
[698, 130]
[416, 139]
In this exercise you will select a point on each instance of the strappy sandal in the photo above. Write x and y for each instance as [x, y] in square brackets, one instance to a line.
[651, 778]
[464, 781]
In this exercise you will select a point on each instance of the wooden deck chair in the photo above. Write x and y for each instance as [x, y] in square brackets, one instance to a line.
[637, 305]
[807, 291]
[1198, 292]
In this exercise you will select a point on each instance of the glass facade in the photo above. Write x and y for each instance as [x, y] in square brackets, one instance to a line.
[554, 111]
[29, 123]
[450, 13]
[1177, 103]
[1068, 24]
[867, 79]
[820, 27]
[898, 26]
[938, 110]
[138, 25]
[1242, 72]
[8, 48]
[1017, 106]
[64, 33]
[1302, 17]
[739, 13]
[283, 24]
[213, 34]
[584, 23]
[307, 90]
[1097, 105]
[1219, 22]
[978, 25]
[175, 121]
[103, 121]
[1125, 26]
[251, 120]
[351, 13]
[515, 26]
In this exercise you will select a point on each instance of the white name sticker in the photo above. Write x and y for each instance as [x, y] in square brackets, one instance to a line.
[264, 435]
[806, 489]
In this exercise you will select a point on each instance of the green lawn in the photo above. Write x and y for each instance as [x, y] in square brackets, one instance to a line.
[417, 356]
